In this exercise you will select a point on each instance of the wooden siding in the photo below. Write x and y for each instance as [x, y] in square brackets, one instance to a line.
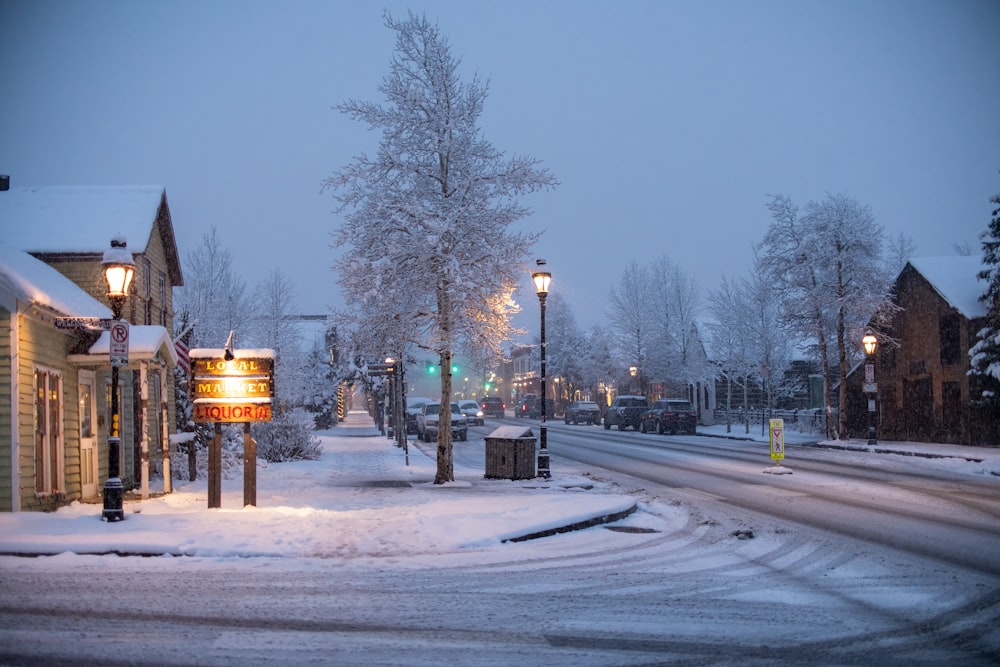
[6, 469]
[42, 346]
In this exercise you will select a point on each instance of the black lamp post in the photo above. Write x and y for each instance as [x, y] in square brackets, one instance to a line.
[870, 342]
[542, 279]
[118, 271]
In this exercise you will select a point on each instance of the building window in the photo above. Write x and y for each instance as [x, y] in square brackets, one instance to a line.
[49, 452]
[163, 299]
[147, 278]
[948, 329]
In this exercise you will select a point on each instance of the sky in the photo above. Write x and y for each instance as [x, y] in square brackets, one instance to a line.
[667, 123]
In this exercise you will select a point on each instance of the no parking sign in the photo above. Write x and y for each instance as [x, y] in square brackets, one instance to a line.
[119, 343]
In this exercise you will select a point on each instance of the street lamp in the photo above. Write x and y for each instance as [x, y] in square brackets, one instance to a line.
[118, 271]
[542, 280]
[870, 342]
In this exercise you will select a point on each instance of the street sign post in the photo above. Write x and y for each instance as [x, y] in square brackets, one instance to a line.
[118, 347]
[777, 440]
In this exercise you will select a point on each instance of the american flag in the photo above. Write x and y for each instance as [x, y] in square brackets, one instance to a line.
[183, 357]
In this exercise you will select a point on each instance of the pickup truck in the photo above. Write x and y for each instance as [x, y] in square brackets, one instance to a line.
[625, 411]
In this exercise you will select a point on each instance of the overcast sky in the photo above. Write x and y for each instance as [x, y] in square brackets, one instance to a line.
[667, 123]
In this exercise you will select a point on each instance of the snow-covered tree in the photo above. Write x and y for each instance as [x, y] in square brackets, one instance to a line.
[630, 320]
[276, 328]
[598, 366]
[731, 340]
[428, 221]
[985, 354]
[565, 344]
[214, 298]
[828, 266]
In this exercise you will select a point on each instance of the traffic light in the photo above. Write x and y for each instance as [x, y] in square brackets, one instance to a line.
[454, 368]
[431, 368]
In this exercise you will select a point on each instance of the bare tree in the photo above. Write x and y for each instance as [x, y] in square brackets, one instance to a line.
[630, 319]
[214, 296]
[430, 249]
[829, 269]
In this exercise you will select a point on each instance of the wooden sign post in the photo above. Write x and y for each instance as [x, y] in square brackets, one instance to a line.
[232, 387]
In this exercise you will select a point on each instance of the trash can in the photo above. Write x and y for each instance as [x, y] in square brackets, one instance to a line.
[510, 453]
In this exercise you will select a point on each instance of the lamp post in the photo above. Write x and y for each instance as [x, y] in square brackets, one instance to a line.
[118, 270]
[542, 279]
[870, 342]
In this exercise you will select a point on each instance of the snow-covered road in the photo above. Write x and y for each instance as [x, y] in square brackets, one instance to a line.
[688, 579]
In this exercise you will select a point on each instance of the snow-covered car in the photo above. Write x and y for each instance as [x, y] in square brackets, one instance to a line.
[582, 412]
[472, 412]
[429, 418]
[414, 404]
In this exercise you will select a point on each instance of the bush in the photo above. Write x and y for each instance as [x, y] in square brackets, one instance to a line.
[288, 438]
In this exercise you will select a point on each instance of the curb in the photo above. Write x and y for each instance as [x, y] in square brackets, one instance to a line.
[580, 525]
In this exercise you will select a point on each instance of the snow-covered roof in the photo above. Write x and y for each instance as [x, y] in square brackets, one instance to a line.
[37, 283]
[954, 278]
[54, 219]
[144, 342]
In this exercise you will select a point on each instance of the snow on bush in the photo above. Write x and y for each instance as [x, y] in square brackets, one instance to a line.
[288, 438]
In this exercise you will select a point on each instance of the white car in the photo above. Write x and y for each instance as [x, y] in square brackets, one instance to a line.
[472, 412]
[427, 423]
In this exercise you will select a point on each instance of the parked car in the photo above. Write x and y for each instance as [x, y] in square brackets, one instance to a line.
[414, 404]
[493, 406]
[670, 415]
[472, 412]
[580, 412]
[625, 411]
[428, 422]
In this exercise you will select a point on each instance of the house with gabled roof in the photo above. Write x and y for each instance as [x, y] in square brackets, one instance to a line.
[57, 450]
[922, 366]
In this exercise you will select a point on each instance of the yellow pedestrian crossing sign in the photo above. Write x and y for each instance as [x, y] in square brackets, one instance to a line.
[777, 439]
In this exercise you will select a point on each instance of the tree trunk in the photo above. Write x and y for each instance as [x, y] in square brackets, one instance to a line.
[445, 460]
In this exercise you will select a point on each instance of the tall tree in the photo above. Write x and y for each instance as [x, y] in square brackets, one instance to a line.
[428, 221]
[215, 298]
[275, 327]
[564, 353]
[985, 354]
[732, 341]
[630, 319]
[829, 269]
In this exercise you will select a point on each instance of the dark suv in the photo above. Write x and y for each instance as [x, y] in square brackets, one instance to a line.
[583, 411]
[625, 411]
[493, 406]
[670, 415]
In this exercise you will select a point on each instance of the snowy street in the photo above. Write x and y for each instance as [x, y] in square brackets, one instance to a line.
[355, 559]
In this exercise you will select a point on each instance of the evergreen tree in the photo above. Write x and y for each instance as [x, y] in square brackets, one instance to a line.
[985, 354]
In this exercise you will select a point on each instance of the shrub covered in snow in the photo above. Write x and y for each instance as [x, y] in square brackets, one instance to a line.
[288, 438]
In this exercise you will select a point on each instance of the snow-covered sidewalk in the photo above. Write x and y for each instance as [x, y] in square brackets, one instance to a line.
[360, 499]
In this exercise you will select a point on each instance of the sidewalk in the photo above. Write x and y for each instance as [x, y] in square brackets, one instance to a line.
[362, 500]
[359, 500]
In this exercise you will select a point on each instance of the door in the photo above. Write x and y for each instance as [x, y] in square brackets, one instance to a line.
[88, 435]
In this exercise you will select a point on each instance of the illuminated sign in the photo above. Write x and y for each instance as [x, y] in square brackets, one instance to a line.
[232, 390]
[231, 412]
